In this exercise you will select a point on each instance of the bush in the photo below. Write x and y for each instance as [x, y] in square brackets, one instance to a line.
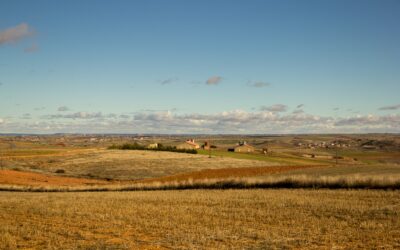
[136, 146]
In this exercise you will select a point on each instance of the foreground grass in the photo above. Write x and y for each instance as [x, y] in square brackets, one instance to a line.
[230, 219]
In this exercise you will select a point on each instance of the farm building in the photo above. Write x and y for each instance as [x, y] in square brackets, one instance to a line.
[265, 150]
[242, 147]
[206, 145]
[245, 148]
[153, 145]
[188, 144]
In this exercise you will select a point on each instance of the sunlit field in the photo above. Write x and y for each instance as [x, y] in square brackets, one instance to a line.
[91, 197]
[199, 124]
[230, 219]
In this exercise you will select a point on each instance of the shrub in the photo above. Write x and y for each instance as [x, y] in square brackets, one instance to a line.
[136, 146]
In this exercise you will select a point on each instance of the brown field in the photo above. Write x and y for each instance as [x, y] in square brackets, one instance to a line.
[122, 165]
[77, 156]
[100, 169]
[229, 201]
[11, 177]
[212, 219]
[229, 173]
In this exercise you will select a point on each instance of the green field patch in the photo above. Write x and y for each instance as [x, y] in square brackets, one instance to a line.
[271, 157]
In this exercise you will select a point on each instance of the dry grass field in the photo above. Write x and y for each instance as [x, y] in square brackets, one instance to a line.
[196, 219]
[229, 201]
[122, 164]
[48, 167]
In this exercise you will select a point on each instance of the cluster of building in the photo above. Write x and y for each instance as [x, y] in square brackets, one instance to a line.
[241, 147]
[188, 144]
[314, 145]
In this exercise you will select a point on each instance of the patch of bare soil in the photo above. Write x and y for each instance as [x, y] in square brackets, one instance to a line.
[12, 177]
[229, 173]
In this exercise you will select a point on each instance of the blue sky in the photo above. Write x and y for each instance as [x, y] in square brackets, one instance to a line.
[200, 66]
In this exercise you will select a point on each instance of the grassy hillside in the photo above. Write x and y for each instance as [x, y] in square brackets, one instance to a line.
[280, 158]
[122, 164]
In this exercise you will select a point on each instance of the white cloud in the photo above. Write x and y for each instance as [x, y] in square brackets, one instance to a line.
[258, 84]
[124, 116]
[77, 115]
[275, 108]
[32, 48]
[227, 122]
[298, 111]
[14, 34]
[214, 80]
[63, 108]
[370, 121]
[26, 116]
[394, 107]
[169, 80]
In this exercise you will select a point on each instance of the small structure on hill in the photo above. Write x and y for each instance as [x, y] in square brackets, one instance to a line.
[206, 145]
[242, 147]
[265, 151]
[188, 144]
[368, 147]
[153, 145]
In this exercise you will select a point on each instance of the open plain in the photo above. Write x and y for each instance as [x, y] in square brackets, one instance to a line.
[202, 219]
[79, 194]
[199, 124]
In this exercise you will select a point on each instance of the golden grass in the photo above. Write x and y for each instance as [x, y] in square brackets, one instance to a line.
[197, 219]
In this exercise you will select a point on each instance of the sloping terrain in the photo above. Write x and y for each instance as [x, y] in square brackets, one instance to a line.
[124, 164]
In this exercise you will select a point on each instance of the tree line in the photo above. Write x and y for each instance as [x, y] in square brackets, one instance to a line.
[160, 147]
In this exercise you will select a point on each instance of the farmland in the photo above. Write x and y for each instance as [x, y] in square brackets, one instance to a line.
[51, 160]
[231, 219]
[342, 197]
